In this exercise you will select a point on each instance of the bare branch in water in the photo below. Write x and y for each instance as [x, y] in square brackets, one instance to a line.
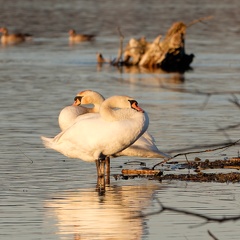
[211, 235]
[199, 20]
[209, 150]
[235, 101]
[25, 155]
[120, 51]
[199, 215]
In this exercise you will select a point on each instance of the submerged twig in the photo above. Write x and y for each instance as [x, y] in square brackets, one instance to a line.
[26, 155]
[205, 102]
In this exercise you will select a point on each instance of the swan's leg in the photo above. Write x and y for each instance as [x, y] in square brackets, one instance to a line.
[101, 168]
[101, 176]
[107, 159]
[97, 166]
[100, 164]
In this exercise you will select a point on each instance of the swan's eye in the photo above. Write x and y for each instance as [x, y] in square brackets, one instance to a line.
[78, 98]
[133, 102]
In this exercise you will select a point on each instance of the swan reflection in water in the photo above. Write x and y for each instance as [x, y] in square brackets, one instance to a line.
[85, 214]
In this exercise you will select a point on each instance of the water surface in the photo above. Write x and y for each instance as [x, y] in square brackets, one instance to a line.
[43, 194]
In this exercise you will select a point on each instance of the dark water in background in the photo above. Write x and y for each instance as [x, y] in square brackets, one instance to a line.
[47, 196]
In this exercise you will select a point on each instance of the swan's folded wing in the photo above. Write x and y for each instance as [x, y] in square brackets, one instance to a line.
[144, 147]
[138, 151]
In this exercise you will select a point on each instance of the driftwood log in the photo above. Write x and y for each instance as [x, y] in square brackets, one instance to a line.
[167, 53]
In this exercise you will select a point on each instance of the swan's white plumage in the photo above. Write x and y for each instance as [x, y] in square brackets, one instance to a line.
[69, 114]
[115, 128]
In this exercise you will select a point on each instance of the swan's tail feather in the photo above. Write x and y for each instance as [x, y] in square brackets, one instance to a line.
[153, 154]
[47, 142]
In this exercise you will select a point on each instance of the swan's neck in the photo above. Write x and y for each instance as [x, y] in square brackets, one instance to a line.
[119, 108]
[94, 109]
[115, 114]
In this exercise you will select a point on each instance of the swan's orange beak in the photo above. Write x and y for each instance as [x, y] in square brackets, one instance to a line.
[135, 106]
[75, 103]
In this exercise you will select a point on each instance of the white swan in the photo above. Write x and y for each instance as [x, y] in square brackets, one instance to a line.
[119, 123]
[69, 114]
[143, 147]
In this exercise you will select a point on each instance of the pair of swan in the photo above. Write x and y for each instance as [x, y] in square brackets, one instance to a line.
[113, 127]
[143, 147]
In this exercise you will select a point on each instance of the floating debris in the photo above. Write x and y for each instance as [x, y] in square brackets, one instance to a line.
[138, 172]
[204, 177]
[196, 175]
